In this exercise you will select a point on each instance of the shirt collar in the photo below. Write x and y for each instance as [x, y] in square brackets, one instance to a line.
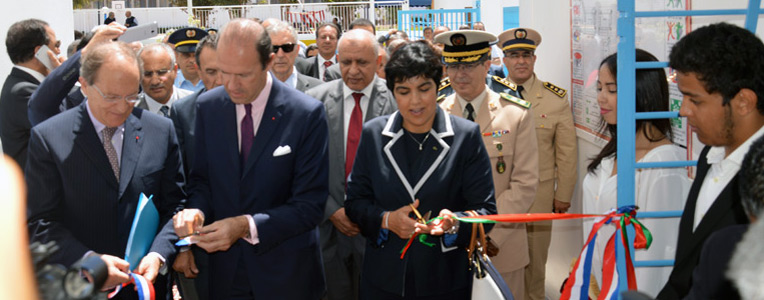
[292, 80]
[321, 59]
[97, 124]
[476, 103]
[366, 91]
[262, 98]
[736, 156]
[154, 105]
[35, 74]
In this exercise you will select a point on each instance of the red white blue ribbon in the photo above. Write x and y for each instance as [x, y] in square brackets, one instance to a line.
[144, 287]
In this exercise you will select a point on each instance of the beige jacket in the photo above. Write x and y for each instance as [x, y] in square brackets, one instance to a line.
[516, 186]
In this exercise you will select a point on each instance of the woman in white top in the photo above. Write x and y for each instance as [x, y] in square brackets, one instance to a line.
[655, 189]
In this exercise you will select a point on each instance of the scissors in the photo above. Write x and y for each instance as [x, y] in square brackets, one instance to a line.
[419, 218]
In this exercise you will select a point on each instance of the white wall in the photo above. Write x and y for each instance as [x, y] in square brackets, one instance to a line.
[58, 13]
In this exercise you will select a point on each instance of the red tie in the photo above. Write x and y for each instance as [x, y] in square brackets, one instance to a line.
[247, 134]
[327, 64]
[354, 133]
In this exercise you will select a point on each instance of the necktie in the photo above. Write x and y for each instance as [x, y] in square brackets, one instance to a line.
[327, 64]
[165, 110]
[469, 111]
[354, 133]
[111, 153]
[520, 90]
[247, 134]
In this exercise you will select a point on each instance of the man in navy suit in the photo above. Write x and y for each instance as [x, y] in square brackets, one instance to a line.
[87, 167]
[724, 104]
[259, 179]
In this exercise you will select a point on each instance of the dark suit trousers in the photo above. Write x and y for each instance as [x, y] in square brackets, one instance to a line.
[343, 256]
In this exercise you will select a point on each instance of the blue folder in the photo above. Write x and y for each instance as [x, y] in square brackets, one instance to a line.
[143, 231]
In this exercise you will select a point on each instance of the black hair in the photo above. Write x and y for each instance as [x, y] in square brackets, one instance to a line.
[309, 48]
[332, 25]
[651, 95]
[751, 179]
[363, 22]
[209, 41]
[23, 37]
[725, 58]
[412, 60]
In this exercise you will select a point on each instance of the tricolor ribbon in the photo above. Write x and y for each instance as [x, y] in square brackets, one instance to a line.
[577, 286]
[144, 287]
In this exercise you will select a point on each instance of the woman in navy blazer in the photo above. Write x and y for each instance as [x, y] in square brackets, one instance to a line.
[418, 157]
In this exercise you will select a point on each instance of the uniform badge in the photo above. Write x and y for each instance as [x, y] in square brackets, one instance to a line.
[521, 34]
[500, 165]
[190, 33]
[458, 39]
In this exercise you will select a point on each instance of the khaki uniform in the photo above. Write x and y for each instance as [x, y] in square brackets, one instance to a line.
[516, 186]
[557, 153]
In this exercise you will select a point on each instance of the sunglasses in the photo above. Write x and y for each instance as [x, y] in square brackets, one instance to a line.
[288, 47]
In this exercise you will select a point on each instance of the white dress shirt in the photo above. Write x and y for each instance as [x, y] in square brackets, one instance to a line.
[476, 103]
[321, 67]
[720, 173]
[37, 75]
[258, 108]
[658, 189]
[349, 105]
[154, 106]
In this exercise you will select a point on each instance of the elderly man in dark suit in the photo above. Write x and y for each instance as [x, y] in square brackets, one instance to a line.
[87, 167]
[724, 107]
[359, 96]
[22, 42]
[259, 179]
[285, 49]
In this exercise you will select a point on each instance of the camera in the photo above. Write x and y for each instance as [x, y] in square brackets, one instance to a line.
[83, 280]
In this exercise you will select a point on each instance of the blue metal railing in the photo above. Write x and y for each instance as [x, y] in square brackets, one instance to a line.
[414, 21]
[626, 132]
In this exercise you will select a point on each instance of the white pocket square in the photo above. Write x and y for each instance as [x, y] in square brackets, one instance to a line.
[282, 150]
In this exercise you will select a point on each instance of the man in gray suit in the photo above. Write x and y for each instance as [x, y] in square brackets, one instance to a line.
[359, 96]
[285, 50]
[159, 71]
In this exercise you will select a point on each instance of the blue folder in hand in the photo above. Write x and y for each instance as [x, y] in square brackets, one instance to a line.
[143, 231]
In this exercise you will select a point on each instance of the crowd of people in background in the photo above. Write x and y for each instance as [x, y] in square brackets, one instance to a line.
[299, 172]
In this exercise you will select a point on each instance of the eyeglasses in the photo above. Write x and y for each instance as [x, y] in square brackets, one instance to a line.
[159, 73]
[132, 99]
[463, 67]
[288, 48]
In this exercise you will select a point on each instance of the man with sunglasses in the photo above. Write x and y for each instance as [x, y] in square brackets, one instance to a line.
[556, 137]
[285, 51]
[88, 166]
[507, 128]
[159, 71]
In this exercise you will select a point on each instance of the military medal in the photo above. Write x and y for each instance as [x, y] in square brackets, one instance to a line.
[500, 165]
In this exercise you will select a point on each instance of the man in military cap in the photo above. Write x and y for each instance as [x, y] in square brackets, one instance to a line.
[495, 83]
[556, 143]
[185, 41]
[507, 127]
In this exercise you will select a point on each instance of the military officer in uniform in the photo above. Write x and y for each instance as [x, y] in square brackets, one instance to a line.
[556, 143]
[506, 123]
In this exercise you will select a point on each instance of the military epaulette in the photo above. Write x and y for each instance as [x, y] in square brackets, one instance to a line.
[441, 98]
[506, 83]
[555, 89]
[446, 82]
[515, 100]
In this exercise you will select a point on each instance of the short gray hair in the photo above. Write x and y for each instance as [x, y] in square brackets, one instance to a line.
[157, 47]
[99, 54]
[279, 26]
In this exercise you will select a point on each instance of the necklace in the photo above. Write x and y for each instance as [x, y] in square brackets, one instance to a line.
[415, 140]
